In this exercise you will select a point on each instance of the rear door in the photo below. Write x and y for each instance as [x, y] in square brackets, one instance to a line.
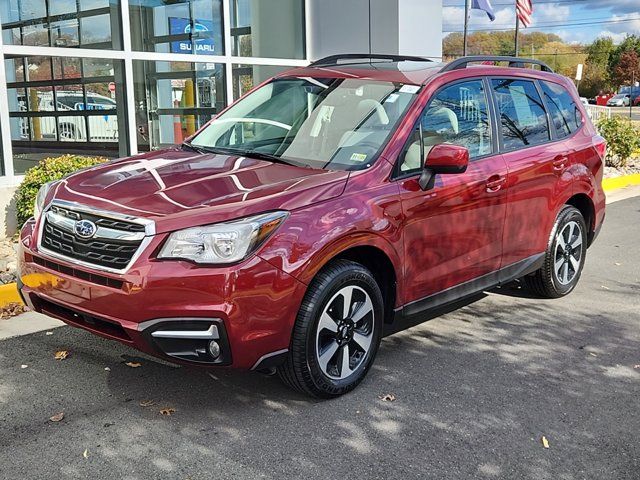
[452, 232]
[536, 163]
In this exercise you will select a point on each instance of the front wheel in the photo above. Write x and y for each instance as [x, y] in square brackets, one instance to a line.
[337, 332]
[564, 257]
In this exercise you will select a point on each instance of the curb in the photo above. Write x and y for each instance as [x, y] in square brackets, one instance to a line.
[614, 183]
[9, 294]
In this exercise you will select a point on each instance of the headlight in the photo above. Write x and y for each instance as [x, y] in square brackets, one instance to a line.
[222, 242]
[38, 204]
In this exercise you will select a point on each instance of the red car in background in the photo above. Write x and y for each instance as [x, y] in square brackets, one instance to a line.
[329, 206]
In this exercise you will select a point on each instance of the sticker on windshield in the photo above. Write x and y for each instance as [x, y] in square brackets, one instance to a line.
[409, 89]
[358, 157]
[391, 98]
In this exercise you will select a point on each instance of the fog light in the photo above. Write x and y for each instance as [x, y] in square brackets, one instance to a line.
[214, 349]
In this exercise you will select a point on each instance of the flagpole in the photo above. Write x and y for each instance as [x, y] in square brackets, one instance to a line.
[466, 24]
[517, 30]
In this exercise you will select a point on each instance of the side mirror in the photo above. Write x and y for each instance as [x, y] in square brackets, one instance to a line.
[444, 158]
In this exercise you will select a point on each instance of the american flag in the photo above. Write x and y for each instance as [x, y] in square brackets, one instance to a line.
[524, 9]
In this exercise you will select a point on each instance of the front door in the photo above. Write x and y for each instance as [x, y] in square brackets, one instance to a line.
[453, 232]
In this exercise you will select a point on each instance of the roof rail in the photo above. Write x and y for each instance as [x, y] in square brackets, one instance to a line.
[335, 59]
[515, 62]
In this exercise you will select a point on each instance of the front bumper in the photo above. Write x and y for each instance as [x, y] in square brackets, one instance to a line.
[252, 305]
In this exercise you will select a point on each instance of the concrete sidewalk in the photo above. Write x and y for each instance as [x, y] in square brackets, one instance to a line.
[28, 322]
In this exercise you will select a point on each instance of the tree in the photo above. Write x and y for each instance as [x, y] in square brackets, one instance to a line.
[628, 68]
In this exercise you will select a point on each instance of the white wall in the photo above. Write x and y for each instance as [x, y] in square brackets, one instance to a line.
[405, 27]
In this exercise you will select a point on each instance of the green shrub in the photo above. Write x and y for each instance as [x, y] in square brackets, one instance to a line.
[49, 169]
[622, 140]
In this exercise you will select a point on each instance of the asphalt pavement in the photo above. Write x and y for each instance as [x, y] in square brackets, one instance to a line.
[475, 391]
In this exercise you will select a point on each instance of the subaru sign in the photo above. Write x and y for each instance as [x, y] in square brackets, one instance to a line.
[178, 26]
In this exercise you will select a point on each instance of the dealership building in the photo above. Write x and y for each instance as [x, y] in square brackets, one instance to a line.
[116, 77]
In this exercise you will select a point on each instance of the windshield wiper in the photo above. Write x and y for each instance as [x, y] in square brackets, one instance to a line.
[233, 151]
[193, 147]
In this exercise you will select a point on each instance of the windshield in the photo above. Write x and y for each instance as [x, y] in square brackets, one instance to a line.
[336, 123]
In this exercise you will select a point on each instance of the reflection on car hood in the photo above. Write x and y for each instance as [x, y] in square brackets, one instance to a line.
[178, 188]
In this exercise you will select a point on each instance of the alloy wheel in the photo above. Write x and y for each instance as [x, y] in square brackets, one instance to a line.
[345, 332]
[568, 253]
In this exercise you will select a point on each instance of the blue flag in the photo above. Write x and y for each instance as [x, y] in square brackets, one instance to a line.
[484, 5]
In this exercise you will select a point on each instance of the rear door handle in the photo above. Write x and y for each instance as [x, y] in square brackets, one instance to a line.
[495, 182]
[559, 162]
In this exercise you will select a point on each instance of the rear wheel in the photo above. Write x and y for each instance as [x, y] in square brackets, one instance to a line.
[564, 257]
[337, 332]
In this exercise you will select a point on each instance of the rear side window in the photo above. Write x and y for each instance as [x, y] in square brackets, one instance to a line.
[564, 112]
[457, 114]
[522, 116]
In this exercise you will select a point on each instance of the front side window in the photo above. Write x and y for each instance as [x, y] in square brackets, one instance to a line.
[564, 112]
[522, 116]
[329, 123]
[457, 114]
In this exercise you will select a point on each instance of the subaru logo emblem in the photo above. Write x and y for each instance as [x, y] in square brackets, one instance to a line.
[85, 228]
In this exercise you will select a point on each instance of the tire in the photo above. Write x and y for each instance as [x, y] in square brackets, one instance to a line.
[322, 333]
[562, 267]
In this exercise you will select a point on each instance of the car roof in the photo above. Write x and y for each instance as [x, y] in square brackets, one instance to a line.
[414, 72]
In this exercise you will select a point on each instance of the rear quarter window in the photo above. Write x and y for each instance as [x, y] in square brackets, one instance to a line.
[564, 111]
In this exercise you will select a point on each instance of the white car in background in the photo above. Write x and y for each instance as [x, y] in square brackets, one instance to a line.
[619, 100]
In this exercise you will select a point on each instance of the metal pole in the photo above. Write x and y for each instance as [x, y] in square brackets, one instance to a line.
[517, 30]
[633, 84]
[466, 24]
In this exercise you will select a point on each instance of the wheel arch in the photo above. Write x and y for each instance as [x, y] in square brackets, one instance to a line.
[585, 205]
[372, 252]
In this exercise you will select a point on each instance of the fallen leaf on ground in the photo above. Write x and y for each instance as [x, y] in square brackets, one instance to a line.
[61, 355]
[85, 454]
[107, 369]
[24, 366]
[147, 403]
[133, 364]
[605, 287]
[545, 442]
[49, 333]
[167, 411]
[57, 417]
[593, 354]
[11, 310]
[636, 366]
[389, 397]
[618, 264]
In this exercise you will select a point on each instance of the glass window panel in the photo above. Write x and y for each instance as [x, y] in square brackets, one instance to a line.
[32, 35]
[95, 67]
[523, 118]
[17, 99]
[96, 29]
[38, 68]
[14, 69]
[174, 99]
[62, 23]
[67, 116]
[72, 129]
[177, 26]
[253, 24]
[65, 68]
[65, 33]
[245, 77]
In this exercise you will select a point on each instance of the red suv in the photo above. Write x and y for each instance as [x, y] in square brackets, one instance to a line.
[327, 207]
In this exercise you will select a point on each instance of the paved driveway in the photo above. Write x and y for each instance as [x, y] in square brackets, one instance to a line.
[476, 390]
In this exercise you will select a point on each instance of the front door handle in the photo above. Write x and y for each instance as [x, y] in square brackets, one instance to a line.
[495, 182]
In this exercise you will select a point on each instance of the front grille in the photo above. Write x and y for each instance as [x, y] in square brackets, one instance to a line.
[113, 251]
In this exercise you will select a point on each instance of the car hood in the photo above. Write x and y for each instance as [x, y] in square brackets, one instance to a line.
[178, 188]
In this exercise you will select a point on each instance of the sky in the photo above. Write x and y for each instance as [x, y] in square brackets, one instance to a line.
[575, 21]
